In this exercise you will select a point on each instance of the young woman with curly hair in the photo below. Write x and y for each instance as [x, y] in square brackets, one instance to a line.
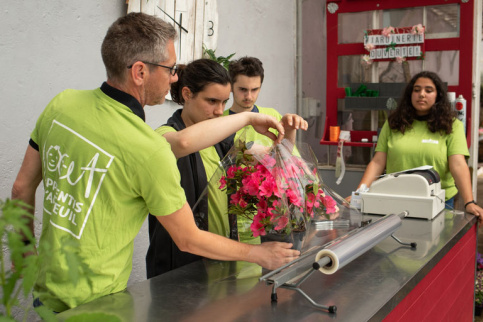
[423, 130]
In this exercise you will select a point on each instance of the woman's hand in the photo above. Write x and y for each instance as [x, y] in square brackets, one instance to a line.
[475, 210]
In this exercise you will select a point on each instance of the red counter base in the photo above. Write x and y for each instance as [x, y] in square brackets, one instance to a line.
[446, 292]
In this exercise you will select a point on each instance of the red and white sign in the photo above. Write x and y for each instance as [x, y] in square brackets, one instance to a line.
[393, 43]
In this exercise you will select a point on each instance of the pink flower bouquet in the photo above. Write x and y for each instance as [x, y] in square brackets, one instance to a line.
[275, 188]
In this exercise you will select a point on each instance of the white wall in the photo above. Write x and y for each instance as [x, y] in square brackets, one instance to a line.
[266, 30]
[48, 46]
[45, 47]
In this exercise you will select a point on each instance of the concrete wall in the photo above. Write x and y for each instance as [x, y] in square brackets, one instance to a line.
[48, 46]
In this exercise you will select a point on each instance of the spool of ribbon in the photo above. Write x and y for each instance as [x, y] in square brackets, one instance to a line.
[334, 133]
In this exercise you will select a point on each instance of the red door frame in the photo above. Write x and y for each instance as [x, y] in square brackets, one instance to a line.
[463, 43]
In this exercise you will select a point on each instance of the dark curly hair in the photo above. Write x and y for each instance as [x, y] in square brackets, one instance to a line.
[247, 66]
[440, 117]
[196, 76]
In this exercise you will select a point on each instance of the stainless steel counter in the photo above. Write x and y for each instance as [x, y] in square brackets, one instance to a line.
[366, 289]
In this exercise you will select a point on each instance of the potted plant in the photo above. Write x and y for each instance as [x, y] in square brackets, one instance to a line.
[210, 54]
[277, 190]
[19, 265]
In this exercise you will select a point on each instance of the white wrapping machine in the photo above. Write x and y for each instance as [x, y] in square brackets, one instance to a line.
[416, 191]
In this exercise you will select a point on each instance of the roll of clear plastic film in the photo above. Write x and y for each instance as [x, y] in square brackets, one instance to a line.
[343, 250]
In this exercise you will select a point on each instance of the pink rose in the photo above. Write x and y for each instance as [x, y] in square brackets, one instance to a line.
[293, 197]
[251, 184]
[332, 210]
[222, 182]
[328, 201]
[310, 200]
[231, 172]
[243, 203]
[268, 187]
[330, 205]
[257, 228]
[235, 198]
[418, 29]
[262, 205]
[387, 31]
[282, 223]
[369, 47]
[262, 170]
[366, 60]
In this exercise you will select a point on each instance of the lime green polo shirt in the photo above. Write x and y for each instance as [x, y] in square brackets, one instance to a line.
[103, 169]
[250, 133]
[218, 222]
[419, 146]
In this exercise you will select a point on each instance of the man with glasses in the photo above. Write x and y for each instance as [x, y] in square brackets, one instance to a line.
[103, 169]
[172, 70]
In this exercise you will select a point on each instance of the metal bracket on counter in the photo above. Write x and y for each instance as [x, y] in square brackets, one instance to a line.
[299, 271]
[412, 245]
[333, 256]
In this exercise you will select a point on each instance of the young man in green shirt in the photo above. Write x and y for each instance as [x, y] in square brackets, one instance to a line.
[247, 75]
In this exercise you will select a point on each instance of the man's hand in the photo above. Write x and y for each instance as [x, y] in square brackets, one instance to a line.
[189, 238]
[272, 255]
[262, 123]
[291, 123]
[295, 122]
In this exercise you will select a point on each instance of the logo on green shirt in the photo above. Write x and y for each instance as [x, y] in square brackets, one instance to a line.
[74, 169]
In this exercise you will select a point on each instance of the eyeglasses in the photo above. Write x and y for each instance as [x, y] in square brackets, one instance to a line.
[172, 70]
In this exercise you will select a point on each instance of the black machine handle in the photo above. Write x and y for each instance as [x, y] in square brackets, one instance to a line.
[430, 174]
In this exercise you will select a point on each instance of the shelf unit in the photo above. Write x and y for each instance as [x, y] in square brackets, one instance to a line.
[356, 137]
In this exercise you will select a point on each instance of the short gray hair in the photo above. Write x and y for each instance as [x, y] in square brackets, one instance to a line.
[135, 37]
